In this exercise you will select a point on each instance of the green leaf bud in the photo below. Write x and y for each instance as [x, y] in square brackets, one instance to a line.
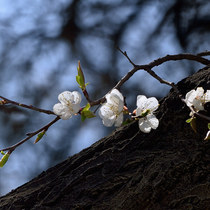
[39, 136]
[4, 159]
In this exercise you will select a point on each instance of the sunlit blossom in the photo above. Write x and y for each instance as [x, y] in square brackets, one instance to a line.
[111, 112]
[145, 108]
[195, 98]
[69, 104]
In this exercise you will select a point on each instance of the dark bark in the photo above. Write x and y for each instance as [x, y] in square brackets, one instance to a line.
[165, 169]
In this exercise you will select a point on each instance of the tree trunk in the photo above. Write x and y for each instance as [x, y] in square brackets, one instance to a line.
[165, 169]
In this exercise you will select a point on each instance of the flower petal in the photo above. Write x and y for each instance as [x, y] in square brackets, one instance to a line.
[207, 136]
[153, 121]
[207, 96]
[62, 111]
[108, 122]
[152, 104]
[139, 111]
[59, 108]
[75, 108]
[141, 100]
[144, 125]
[117, 93]
[190, 96]
[77, 98]
[116, 103]
[198, 104]
[119, 120]
[199, 91]
[115, 98]
[66, 97]
[66, 115]
[105, 111]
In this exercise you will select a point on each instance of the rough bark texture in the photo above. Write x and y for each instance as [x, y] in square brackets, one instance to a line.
[165, 169]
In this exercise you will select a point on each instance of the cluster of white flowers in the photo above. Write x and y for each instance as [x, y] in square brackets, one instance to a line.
[111, 112]
[197, 98]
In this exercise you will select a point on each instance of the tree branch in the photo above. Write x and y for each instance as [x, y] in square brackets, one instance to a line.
[206, 53]
[8, 101]
[126, 55]
[191, 57]
[30, 135]
[157, 62]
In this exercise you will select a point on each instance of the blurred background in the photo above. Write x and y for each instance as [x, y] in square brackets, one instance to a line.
[41, 42]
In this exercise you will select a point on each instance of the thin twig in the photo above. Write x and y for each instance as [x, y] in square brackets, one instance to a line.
[148, 68]
[202, 116]
[13, 147]
[96, 109]
[186, 56]
[85, 93]
[206, 53]
[153, 74]
[197, 113]
[8, 101]
[126, 55]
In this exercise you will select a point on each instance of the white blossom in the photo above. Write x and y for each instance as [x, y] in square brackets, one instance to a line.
[145, 108]
[111, 112]
[69, 104]
[195, 98]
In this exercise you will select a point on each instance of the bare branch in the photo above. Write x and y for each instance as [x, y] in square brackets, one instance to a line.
[191, 57]
[148, 68]
[153, 74]
[206, 53]
[125, 54]
[13, 147]
[197, 113]
[85, 93]
[8, 101]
